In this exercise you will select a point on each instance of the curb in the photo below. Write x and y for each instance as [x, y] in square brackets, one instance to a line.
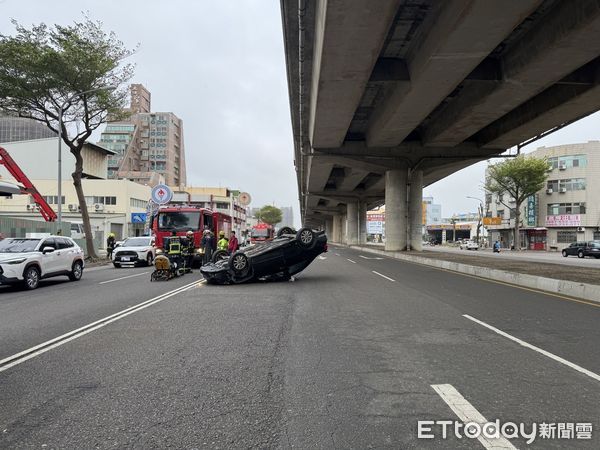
[585, 291]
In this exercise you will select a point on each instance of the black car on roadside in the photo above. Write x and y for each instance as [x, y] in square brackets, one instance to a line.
[582, 249]
[286, 255]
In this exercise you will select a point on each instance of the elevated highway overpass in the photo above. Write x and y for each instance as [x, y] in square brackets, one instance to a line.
[390, 96]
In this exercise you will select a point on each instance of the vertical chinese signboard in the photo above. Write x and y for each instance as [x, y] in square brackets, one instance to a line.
[531, 211]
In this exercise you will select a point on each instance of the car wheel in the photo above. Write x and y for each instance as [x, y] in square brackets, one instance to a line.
[239, 263]
[76, 271]
[306, 237]
[580, 254]
[31, 277]
[285, 230]
[117, 265]
[149, 259]
[564, 253]
[219, 255]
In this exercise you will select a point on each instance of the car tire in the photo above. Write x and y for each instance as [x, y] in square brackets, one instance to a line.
[219, 255]
[306, 237]
[580, 254]
[117, 265]
[285, 230]
[149, 259]
[76, 271]
[564, 253]
[31, 278]
[239, 263]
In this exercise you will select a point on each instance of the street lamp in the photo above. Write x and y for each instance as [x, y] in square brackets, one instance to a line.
[480, 210]
[60, 123]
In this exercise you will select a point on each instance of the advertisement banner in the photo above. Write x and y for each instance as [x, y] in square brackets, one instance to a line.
[564, 220]
[492, 220]
[375, 223]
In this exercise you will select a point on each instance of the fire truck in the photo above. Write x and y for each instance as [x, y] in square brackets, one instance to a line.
[184, 218]
[28, 188]
[261, 232]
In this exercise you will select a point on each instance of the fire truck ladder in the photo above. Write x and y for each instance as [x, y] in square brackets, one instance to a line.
[28, 188]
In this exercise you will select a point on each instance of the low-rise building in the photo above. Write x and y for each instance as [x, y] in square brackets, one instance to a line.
[565, 210]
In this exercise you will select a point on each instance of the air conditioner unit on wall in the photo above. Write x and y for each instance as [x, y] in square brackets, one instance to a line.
[563, 190]
[581, 229]
[98, 207]
[73, 207]
[549, 191]
[562, 167]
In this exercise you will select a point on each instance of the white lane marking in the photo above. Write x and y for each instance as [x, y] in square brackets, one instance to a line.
[353, 262]
[337, 254]
[37, 350]
[322, 257]
[589, 373]
[382, 275]
[467, 413]
[369, 257]
[123, 278]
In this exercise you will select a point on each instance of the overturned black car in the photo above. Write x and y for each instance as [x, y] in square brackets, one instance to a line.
[286, 255]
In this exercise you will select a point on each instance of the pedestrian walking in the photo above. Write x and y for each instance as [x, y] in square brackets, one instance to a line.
[233, 243]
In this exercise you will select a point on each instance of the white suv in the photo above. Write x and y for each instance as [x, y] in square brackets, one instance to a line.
[29, 260]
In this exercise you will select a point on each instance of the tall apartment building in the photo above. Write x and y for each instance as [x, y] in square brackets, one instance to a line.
[147, 143]
[566, 210]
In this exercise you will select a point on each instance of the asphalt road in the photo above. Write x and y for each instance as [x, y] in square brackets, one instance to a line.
[345, 356]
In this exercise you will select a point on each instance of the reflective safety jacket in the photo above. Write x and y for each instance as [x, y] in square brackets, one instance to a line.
[222, 244]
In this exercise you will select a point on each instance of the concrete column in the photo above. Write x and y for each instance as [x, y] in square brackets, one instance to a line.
[352, 222]
[395, 210]
[329, 228]
[362, 223]
[415, 210]
[344, 229]
[337, 229]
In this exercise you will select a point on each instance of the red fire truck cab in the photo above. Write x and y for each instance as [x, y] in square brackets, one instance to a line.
[184, 218]
[261, 232]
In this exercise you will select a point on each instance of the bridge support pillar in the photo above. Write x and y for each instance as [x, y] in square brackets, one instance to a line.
[395, 210]
[344, 229]
[362, 223]
[329, 228]
[337, 230]
[415, 210]
[352, 223]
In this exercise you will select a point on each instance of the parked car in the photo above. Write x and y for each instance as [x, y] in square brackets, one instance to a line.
[583, 249]
[135, 251]
[469, 245]
[28, 260]
[286, 255]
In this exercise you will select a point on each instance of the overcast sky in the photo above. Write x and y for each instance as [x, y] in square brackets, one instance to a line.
[219, 65]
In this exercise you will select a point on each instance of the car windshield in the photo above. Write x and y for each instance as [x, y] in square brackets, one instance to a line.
[178, 220]
[137, 242]
[18, 245]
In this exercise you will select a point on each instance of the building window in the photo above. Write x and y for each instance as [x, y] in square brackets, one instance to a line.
[137, 203]
[597, 235]
[565, 237]
[555, 209]
[53, 199]
[500, 213]
[222, 205]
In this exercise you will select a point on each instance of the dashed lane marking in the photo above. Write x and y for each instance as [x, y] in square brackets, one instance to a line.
[353, 262]
[124, 278]
[467, 413]
[589, 373]
[383, 276]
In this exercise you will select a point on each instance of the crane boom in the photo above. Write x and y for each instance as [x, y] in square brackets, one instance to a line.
[28, 188]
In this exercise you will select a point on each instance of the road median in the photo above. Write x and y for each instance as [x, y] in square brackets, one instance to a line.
[581, 283]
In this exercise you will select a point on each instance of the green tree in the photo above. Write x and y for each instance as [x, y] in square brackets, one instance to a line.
[270, 214]
[518, 178]
[67, 77]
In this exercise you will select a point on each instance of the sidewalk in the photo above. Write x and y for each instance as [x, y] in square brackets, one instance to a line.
[570, 280]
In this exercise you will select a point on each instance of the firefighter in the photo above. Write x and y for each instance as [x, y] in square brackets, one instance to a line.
[223, 243]
[189, 249]
[110, 245]
[206, 246]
